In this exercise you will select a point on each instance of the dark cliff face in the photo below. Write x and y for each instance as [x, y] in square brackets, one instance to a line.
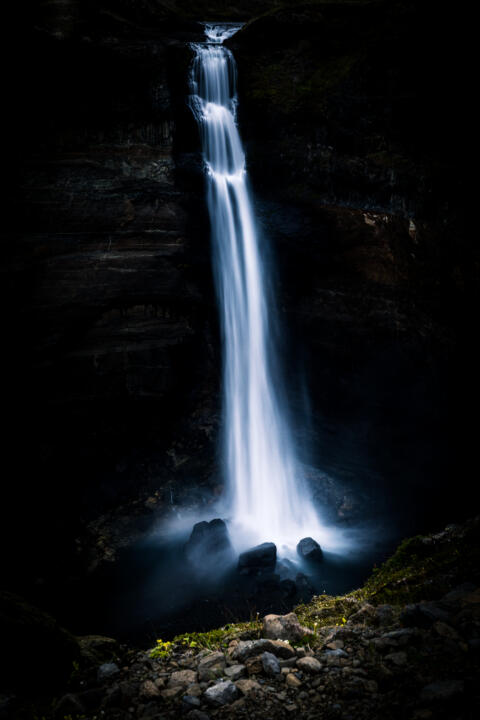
[353, 115]
[112, 352]
[112, 369]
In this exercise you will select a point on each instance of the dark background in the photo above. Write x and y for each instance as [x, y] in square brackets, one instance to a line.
[355, 118]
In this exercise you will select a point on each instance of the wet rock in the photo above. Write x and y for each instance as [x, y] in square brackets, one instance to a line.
[308, 549]
[288, 589]
[209, 543]
[270, 664]
[309, 665]
[223, 693]
[249, 648]
[107, 670]
[235, 672]
[284, 627]
[259, 559]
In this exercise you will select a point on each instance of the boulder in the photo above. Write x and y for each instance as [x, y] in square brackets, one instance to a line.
[223, 693]
[209, 543]
[284, 627]
[260, 559]
[308, 549]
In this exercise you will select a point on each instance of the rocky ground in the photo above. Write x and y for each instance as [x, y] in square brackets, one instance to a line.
[406, 645]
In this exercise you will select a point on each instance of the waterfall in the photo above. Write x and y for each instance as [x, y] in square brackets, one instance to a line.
[266, 497]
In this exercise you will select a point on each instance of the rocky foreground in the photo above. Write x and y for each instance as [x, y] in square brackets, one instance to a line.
[406, 645]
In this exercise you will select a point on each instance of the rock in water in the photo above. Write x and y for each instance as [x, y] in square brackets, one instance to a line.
[310, 550]
[259, 559]
[209, 544]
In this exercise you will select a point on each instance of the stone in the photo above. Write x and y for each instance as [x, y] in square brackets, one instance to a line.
[259, 559]
[249, 648]
[172, 693]
[309, 549]
[195, 690]
[309, 664]
[183, 677]
[211, 666]
[446, 631]
[443, 690]
[209, 545]
[197, 715]
[292, 681]
[190, 702]
[247, 686]
[149, 690]
[235, 672]
[107, 670]
[270, 664]
[284, 627]
[254, 665]
[397, 658]
[223, 693]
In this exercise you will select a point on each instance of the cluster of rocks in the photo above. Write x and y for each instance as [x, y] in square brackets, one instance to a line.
[417, 661]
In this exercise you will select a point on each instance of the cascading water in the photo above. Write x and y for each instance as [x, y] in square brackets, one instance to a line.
[267, 499]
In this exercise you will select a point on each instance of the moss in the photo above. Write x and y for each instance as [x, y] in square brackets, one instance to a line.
[220, 637]
[422, 568]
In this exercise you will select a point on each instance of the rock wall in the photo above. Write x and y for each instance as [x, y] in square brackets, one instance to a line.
[112, 362]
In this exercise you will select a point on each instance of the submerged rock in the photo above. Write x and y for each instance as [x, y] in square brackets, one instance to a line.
[259, 559]
[310, 550]
[209, 541]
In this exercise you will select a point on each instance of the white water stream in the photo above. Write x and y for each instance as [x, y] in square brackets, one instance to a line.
[266, 497]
